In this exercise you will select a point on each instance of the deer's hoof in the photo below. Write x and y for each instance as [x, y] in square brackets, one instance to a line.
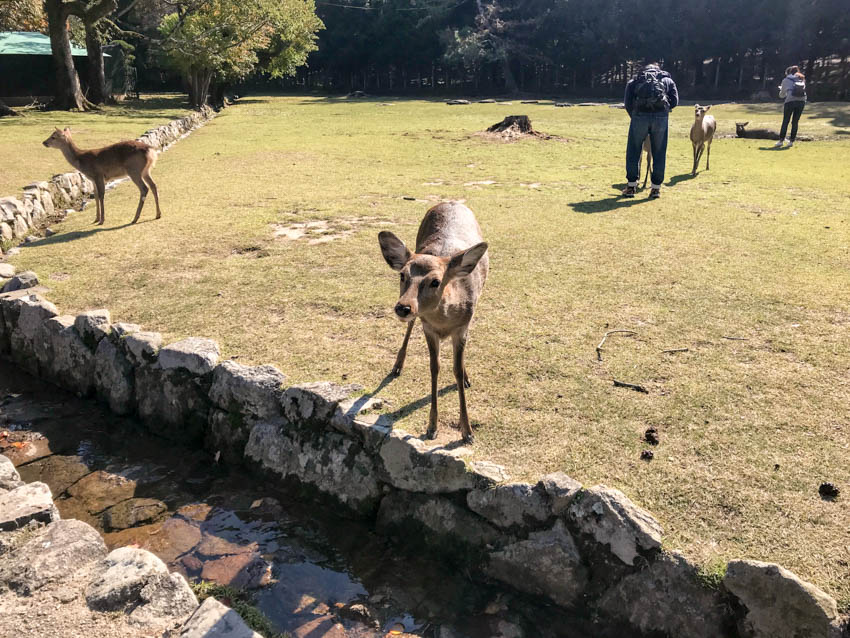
[469, 438]
[396, 371]
[466, 383]
[431, 434]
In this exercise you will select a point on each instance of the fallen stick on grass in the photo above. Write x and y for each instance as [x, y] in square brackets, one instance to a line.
[629, 333]
[630, 386]
[735, 338]
[674, 350]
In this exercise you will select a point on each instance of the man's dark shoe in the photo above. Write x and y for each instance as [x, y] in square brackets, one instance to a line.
[655, 193]
[629, 191]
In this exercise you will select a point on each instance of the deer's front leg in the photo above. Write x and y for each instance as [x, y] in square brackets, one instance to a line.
[459, 345]
[402, 353]
[434, 354]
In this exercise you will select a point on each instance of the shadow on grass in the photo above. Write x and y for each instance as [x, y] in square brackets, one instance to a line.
[611, 203]
[389, 419]
[61, 238]
[838, 116]
[774, 148]
[680, 178]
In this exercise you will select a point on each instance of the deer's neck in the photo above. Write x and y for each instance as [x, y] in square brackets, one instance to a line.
[72, 153]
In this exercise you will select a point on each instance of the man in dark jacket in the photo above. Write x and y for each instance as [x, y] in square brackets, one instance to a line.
[650, 96]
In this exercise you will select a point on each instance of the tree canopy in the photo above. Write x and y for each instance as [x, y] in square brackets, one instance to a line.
[726, 46]
[226, 40]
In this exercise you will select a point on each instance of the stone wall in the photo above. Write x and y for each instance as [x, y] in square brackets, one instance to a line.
[41, 202]
[585, 548]
[57, 578]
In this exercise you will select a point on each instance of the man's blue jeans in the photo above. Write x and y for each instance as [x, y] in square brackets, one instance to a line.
[654, 125]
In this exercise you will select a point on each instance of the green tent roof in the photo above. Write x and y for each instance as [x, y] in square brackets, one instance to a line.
[27, 43]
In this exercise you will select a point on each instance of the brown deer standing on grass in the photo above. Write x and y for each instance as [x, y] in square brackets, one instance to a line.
[647, 148]
[440, 284]
[702, 133]
[132, 158]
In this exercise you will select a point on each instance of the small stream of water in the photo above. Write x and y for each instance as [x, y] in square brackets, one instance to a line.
[313, 573]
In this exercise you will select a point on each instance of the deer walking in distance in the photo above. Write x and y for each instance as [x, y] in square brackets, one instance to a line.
[133, 159]
[647, 149]
[440, 284]
[702, 132]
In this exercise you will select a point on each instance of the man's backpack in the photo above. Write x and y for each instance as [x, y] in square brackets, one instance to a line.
[799, 88]
[650, 93]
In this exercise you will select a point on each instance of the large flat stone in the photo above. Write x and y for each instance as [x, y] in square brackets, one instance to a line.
[667, 597]
[114, 378]
[173, 403]
[330, 462]
[409, 464]
[510, 504]
[92, 326]
[133, 512]
[195, 354]
[779, 604]
[64, 358]
[9, 477]
[53, 554]
[32, 502]
[248, 390]
[138, 583]
[141, 346]
[546, 564]
[243, 571]
[614, 521]
[26, 279]
[101, 490]
[560, 490]
[443, 524]
[314, 403]
[214, 620]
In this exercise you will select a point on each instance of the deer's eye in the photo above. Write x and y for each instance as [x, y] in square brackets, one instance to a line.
[435, 283]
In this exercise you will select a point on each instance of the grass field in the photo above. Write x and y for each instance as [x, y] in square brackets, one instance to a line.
[755, 249]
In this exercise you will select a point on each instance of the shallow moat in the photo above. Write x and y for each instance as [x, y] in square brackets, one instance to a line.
[312, 572]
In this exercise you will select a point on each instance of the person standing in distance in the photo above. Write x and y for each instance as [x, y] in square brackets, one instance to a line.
[793, 89]
[650, 96]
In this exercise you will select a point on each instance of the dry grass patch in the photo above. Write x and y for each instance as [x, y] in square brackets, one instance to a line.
[756, 248]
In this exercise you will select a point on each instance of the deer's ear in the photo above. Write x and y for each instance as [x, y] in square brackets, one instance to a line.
[67, 130]
[393, 249]
[708, 108]
[744, 123]
[464, 262]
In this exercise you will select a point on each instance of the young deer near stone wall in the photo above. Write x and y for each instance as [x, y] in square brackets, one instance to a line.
[131, 158]
[702, 133]
[440, 284]
[646, 150]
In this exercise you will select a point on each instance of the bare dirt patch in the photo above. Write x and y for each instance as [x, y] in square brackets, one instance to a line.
[322, 231]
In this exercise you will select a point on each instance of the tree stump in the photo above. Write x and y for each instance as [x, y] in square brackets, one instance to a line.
[517, 123]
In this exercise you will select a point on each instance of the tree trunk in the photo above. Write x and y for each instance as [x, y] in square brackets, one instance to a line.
[199, 87]
[510, 82]
[97, 79]
[67, 93]
[716, 73]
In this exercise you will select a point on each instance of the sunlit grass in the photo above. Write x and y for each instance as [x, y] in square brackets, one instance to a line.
[756, 249]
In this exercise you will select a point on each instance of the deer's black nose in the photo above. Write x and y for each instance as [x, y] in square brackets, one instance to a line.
[401, 310]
